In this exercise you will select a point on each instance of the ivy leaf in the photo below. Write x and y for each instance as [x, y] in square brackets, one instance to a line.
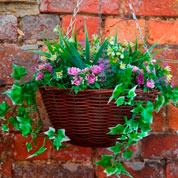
[41, 150]
[15, 94]
[106, 161]
[14, 122]
[121, 167]
[117, 91]
[5, 127]
[19, 72]
[116, 149]
[131, 93]
[50, 133]
[3, 108]
[26, 129]
[120, 100]
[127, 154]
[118, 129]
[29, 146]
[110, 171]
[147, 113]
[159, 103]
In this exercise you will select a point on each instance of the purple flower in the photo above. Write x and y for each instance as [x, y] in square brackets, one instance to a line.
[91, 78]
[135, 69]
[140, 79]
[172, 85]
[73, 71]
[96, 69]
[49, 68]
[33, 67]
[77, 80]
[39, 76]
[150, 84]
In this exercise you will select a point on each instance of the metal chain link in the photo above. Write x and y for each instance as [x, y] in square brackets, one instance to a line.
[100, 17]
[73, 19]
[138, 27]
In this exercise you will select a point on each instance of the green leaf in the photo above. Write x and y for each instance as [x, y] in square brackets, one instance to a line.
[61, 134]
[131, 93]
[105, 161]
[159, 103]
[25, 128]
[15, 94]
[5, 127]
[3, 108]
[120, 100]
[19, 72]
[40, 52]
[119, 129]
[127, 154]
[110, 171]
[29, 146]
[87, 46]
[120, 166]
[147, 113]
[117, 91]
[14, 122]
[41, 150]
[116, 149]
[50, 133]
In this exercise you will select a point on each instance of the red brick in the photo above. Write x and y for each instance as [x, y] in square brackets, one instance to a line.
[172, 170]
[36, 27]
[160, 147]
[53, 170]
[158, 29]
[87, 6]
[172, 117]
[9, 54]
[127, 30]
[158, 120]
[154, 8]
[6, 144]
[72, 153]
[92, 28]
[8, 27]
[138, 170]
[20, 149]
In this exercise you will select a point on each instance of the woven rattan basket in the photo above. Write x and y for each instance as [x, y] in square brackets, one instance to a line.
[87, 116]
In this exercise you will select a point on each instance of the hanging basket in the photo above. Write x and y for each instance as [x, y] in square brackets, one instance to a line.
[86, 117]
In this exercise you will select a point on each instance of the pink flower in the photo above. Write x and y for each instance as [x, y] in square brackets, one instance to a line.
[140, 79]
[148, 69]
[47, 67]
[77, 80]
[135, 69]
[39, 76]
[150, 84]
[96, 69]
[42, 67]
[73, 71]
[85, 70]
[91, 78]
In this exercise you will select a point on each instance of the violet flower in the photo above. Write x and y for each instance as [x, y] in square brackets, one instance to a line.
[140, 79]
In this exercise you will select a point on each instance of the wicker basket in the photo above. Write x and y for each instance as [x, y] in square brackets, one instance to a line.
[87, 116]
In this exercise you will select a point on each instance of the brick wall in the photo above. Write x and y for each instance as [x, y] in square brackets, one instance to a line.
[22, 24]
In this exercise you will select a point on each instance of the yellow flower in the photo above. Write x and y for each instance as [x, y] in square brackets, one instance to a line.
[169, 77]
[59, 74]
[122, 65]
[114, 60]
[43, 58]
[53, 58]
[167, 69]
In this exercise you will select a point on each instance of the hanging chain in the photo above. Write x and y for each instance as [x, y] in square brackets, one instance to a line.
[73, 19]
[138, 27]
[100, 17]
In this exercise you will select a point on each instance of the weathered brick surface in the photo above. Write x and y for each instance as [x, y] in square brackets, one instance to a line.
[127, 30]
[72, 153]
[154, 8]
[172, 170]
[20, 149]
[36, 27]
[9, 54]
[158, 30]
[91, 22]
[8, 27]
[160, 147]
[6, 151]
[172, 117]
[87, 6]
[53, 170]
[139, 170]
